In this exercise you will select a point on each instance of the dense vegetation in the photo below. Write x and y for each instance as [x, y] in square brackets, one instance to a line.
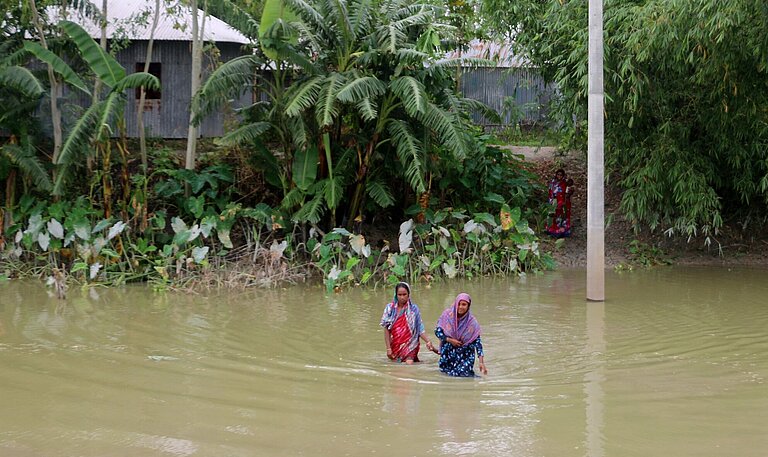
[360, 128]
[686, 89]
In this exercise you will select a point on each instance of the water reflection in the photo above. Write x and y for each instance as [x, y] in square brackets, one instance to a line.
[675, 363]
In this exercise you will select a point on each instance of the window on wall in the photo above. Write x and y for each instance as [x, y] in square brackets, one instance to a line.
[155, 69]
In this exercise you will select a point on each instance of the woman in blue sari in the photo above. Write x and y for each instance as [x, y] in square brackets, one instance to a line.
[459, 334]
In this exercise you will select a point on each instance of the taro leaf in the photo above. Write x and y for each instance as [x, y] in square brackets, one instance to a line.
[116, 229]
[470, 226]
[56, 229]
[357, 242]
[199, 253]
[352, 262]
[194, 232]
[181, 237]
[104, 223]
[98, 244]
[276, 249]
[406, 235]
[69, 239]
[35, 224]
[449, 270]
[206, 225]
[223, 234]
[43, 239]
[19, 236]
[367, 250]
[178, 225]
[83, 229]
[334, 273]
[94, 270]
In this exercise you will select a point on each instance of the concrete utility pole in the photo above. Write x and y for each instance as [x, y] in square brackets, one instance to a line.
[595, 143]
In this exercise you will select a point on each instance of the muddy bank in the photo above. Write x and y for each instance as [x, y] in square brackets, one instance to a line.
[624, 247]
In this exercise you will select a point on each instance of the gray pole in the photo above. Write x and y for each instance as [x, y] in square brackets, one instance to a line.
[595, 142]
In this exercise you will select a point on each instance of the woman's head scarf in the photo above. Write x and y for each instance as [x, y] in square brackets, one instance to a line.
[466, 328]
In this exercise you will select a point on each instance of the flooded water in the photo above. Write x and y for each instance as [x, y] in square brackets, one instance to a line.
[674, 363]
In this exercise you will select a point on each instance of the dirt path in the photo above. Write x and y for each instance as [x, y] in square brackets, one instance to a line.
[624, 247]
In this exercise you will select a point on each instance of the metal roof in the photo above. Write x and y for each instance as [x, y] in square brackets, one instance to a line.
[132, 19]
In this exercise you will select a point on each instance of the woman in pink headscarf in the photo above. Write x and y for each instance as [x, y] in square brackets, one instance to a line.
[459, 334]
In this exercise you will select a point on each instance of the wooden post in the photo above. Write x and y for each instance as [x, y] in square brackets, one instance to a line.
[595, 144]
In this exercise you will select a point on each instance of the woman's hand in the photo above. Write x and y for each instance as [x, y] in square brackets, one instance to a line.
[390, 356]
[456, 343]
[483, 370]
[431, 347]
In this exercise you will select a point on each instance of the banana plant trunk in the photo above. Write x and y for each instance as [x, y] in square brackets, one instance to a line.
[362, 172]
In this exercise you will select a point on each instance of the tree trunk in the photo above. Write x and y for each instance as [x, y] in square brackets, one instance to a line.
[143, 97]
[55, 113]
[197, 63]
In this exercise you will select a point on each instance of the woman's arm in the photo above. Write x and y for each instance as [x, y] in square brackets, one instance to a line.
[423, 336]
[388, 341]
[479, 348]
[483, 370]
[443, 338]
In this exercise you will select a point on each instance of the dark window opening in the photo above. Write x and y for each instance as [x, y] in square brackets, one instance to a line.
[154, 70]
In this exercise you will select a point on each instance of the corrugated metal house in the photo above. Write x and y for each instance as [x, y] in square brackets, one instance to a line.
[166, 112]
[511, 87]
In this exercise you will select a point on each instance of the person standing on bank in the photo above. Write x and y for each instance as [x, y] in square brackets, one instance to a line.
[403, 327]
[459, 334]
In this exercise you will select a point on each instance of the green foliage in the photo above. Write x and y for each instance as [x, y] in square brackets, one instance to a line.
[685, 81]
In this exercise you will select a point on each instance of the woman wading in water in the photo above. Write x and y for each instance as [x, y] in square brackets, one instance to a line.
[403, 327]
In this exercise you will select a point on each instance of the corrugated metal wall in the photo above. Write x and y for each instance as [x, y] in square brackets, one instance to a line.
[492, 85]
[168, 116]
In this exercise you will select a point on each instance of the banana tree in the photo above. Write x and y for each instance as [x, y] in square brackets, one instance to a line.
[91, 133]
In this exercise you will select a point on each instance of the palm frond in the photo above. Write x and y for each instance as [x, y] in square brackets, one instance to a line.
[101, 63]
[334, 191]
[245, 134]
[360, 17]
[409, 152]
[412, 93]
[343, 26]
[380, 193]
[367, 109]
[308, 13]
[298, 132]
[327, 109]
[292, 199]
[112, 104]
[229, 81]
[366, 87]
[470, 105]
[312, 210]
[411, 55]
[21, 80]
[445, 125]
[464, 62]
[29, 164]
[58, 65]
[136, 80]
[77, 143]
[303, 96]
[80, 135]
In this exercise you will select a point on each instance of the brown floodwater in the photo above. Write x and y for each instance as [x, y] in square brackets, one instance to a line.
[674, 363]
